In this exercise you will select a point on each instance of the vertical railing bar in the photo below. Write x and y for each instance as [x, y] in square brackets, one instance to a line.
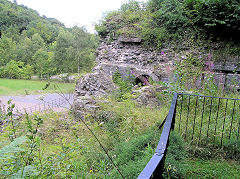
[232, 119]
[187, 117]
[224, 120]
[201, 120]
[215, 132]
[238, 126]
[195, 114]
[180, 115]
[209, 117]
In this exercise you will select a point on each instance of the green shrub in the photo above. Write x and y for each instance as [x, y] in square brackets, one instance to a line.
[217, 17]
[16, 70]
[101, 29]
[125, 85]
[172, 16]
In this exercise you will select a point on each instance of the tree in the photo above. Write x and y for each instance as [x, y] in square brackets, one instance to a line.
[7, 50]
[41, 62]
[63, 50]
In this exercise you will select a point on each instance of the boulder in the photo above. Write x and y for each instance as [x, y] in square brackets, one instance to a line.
[147, 96]
[94, 84]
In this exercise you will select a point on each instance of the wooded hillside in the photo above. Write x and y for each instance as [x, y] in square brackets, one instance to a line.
[34, 44]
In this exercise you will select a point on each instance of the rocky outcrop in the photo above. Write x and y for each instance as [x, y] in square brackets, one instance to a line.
[147, 95]
[94, 84]
[127, 56]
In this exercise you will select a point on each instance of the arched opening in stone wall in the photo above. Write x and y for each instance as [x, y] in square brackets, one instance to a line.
[142, 80]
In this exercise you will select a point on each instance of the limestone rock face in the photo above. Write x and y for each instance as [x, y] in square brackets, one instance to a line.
[128, 56]
[147, 95]
[89, 86]
[94, 84]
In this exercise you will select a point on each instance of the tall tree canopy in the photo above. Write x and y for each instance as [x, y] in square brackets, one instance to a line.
[42, 42]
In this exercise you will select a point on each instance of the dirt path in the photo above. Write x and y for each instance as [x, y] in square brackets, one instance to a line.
[33, 103]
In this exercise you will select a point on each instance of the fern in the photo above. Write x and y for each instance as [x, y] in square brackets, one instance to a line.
[14, 147]
[27, 171]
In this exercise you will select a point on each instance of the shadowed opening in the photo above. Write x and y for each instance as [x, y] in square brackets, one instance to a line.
[142, 80]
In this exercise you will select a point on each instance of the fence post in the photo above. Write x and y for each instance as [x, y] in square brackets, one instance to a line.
[174, 113]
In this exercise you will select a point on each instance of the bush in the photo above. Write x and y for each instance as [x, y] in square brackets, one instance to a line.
[159, 21]
[217, 17]
[125, 85]
[172, 16]
[16, 70]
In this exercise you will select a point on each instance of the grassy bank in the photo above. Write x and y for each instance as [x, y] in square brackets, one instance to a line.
[212, 168]
[22, 87]
[57, 145]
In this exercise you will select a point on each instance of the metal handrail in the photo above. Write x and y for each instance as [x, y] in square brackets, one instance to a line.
[155, 166]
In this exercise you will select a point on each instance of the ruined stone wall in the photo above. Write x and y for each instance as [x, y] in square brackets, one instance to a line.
[130, 58]
[127, 55]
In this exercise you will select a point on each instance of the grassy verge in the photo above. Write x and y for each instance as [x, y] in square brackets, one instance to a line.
[21, 87]
[212, 168]
[60, 145]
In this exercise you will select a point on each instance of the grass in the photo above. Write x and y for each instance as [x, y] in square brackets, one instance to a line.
[207, 122]
[124, 129]
[21, 87]
[212, 168]
[66, 149]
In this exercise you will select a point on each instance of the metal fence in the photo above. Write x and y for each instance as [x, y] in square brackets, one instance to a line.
[200, 120]
[208, 120]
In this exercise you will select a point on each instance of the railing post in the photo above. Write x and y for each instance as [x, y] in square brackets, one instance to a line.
[174, 113]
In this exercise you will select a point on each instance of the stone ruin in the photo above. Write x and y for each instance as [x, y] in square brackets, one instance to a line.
[128, 57]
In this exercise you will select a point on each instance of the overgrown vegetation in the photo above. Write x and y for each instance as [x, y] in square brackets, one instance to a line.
[53, 145]
[159, 21]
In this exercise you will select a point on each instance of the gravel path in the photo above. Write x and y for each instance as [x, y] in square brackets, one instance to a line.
[33, 103]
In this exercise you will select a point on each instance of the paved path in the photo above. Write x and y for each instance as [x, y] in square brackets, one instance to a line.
[33, 103]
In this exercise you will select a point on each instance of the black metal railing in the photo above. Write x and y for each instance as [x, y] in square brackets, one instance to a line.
[156, 164]
[200, 120]
[208, 120]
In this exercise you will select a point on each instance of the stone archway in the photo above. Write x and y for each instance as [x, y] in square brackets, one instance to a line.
[143, 80]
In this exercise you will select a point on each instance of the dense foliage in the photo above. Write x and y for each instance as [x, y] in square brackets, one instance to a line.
[43, 43]
[159, 21]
